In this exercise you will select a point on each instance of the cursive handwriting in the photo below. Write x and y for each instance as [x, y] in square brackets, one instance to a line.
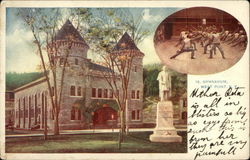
[217, 119]
[203, 93]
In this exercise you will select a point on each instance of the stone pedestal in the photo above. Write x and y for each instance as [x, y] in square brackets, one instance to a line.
[165, 130]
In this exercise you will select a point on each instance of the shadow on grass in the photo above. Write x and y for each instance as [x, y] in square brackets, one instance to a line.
[135, 142]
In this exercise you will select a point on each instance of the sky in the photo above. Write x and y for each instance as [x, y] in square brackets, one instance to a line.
[21, 54]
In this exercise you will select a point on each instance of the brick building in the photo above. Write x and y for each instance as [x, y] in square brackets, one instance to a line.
[84, 82]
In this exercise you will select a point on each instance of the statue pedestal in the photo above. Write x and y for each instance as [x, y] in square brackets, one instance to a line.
[165, 130]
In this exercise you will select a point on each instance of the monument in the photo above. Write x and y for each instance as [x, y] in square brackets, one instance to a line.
[164, 130]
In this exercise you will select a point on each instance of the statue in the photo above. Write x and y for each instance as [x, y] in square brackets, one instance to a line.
[164, 84]
[165, 130]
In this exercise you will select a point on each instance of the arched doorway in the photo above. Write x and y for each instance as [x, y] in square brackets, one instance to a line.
[105, 117]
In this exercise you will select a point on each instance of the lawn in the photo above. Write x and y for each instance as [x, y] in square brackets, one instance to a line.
[135, 142]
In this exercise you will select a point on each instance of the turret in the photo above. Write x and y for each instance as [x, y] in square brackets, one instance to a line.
[68, 43]
[126, 46]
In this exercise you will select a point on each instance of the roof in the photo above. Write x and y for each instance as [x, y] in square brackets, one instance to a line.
[69, 30]
[98, 67]
[125, 43]
[36, 82]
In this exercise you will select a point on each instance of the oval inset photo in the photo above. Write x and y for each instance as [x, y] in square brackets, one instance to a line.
[200, 40]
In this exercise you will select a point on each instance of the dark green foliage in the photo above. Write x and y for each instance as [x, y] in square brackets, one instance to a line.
[179, 83]
[150, 73]
[151, 85]
[86, 111]
[15, 80]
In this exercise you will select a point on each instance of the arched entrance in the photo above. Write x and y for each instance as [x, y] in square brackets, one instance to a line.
[105, 117]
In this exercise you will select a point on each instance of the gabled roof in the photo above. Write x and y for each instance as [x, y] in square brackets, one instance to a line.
[33, 83]
[98, 67]
[125, 43]
[69, 30]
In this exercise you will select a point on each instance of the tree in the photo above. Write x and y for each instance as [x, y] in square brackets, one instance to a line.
[151, 88]
[104, 29]
[44, 23]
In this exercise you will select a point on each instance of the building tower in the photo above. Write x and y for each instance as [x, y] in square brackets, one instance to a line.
[135, 90]
[70, 45]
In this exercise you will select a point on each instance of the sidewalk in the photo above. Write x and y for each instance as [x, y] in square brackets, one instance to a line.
[87, 131]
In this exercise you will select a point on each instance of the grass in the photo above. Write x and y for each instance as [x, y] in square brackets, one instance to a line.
[136, 142]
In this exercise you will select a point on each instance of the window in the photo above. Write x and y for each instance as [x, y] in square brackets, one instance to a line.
[61, 61]
[24, 107]
[135, 114]
[110, 93]
[21, 115]
[29, 103]
[105, 93]
[79, 91]
[79, 114]
[73, 116]
[135, 69]
[138, 114]
[72, 90]
[133, 94]
[76, 61]
[32, 113]
[19, 110]
[26, 113]
[184, 102]
[138, 94]
[93, 92]
[99, 93]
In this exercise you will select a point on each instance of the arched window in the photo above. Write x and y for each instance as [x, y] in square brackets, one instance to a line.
[138, 94]
[72, 90]
[133, 94]
[138, 114]
[73, 115]
[79, 91]
[93, 92]
[135, 114]
[79, 114]
[99, 92]
[105, 94]
[35, 107]
[61, 61]
[19, 112]
[111, 93]
[43, 113]
[135, 69]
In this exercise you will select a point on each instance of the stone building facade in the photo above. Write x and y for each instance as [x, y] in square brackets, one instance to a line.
[83, 82]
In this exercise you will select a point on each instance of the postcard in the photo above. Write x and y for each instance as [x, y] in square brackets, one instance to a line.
[124, 80]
